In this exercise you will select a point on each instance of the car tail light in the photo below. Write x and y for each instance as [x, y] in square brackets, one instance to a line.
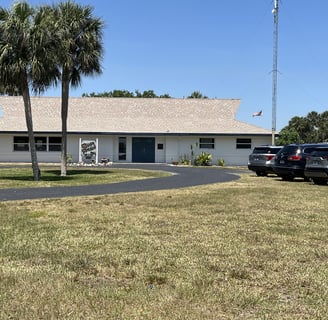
[271, 156]
[294, 158]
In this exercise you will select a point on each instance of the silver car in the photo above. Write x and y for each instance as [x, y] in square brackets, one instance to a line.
[316, 167]
[262, 158]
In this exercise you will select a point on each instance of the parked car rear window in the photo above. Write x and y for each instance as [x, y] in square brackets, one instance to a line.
[320, 152]
[265, 150]
[289, 149]
[309, 150]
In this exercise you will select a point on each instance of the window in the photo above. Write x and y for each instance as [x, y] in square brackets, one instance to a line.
[206, 143]
[122, 148]
[41, 143]
[55, 143]
[21, 144]
[244, 143]
[160, 146]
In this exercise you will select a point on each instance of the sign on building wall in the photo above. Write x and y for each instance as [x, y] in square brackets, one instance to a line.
[88, 152]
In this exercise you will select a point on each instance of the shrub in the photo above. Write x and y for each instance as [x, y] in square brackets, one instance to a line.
[221, 162]
[69, 158]
[185, 161]
[203, 159]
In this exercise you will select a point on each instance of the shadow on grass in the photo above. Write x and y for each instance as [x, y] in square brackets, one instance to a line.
[79, 171]
[54, 175]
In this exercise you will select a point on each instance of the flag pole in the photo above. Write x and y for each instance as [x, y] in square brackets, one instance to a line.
[275, 69]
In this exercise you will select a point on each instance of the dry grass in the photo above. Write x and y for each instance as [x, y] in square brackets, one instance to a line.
[250, 249]
[20, 177]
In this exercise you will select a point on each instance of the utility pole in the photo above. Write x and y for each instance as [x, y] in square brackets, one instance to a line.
[275, 69]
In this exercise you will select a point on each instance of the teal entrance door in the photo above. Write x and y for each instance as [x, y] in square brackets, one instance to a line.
[143, 150]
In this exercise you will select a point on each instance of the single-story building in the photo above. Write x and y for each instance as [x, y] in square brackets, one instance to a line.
[144, 130]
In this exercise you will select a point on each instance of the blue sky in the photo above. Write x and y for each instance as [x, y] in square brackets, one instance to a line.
[222, 48]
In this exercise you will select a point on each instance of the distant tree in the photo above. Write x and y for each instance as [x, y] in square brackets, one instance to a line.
[287, 136]
[310, 129]
[121, 94]
[127, 94]
[147, 94]
[197, 95]
[323, 126]
[165, 95]
[110, 94]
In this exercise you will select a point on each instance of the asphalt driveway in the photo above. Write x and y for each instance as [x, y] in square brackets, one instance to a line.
[181, 177]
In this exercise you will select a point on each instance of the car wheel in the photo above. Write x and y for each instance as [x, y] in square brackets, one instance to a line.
[260, 173]
[319, 181]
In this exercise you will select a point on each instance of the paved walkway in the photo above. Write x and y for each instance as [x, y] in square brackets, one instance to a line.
[181, 177]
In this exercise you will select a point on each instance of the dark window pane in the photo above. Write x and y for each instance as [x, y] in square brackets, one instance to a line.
[206, 143]
[55, 143]
[41, 143]
[122, 148]
[21, 144]
[54, 147]
[244, 143]
[56, 140]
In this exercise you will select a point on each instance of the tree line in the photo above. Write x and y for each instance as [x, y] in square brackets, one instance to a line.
[42, 47]
[138, 94]
[312, 128]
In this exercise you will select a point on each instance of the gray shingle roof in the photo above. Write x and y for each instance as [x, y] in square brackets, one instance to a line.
[129, 115]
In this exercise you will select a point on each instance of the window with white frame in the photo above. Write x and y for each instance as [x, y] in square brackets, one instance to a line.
[206, 143]
[42, 143]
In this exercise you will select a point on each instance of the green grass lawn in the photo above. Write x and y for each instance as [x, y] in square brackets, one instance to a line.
[256, 248]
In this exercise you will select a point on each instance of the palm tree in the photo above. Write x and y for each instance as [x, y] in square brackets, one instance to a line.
[21, 59]
[79, 43]
[9, 91]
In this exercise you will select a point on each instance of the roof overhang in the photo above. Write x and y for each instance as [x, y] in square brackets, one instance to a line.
[142, 133]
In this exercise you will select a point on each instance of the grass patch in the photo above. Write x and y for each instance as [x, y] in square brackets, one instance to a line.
[20, 177]
[255, 248]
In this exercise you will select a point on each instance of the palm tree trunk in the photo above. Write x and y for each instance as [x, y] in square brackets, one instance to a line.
[64, 114]
[29, 125]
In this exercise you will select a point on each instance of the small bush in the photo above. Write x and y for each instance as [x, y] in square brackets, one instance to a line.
[221, 162]
[203, 159]
[69, 158]
[185, 161]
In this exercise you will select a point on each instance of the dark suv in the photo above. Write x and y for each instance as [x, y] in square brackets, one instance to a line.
[290, 161]
[316, 167]
[261, 159]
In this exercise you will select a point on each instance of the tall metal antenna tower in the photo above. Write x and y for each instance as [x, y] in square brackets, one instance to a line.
[275, 12]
